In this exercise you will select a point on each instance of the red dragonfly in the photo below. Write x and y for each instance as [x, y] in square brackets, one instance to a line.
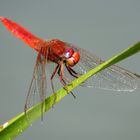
[69, 59]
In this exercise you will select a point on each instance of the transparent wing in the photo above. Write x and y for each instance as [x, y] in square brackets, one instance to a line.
[37, 89]
[112, 78]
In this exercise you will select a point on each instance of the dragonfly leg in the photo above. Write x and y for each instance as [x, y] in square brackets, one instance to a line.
[72, 72]
[63, 79]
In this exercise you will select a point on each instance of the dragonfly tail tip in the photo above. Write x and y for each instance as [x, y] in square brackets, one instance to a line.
[2, 18]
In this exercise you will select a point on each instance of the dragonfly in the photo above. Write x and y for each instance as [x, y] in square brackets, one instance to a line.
[70, 62]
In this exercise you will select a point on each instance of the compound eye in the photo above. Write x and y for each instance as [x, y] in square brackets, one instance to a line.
[69, 52]
[74, 59]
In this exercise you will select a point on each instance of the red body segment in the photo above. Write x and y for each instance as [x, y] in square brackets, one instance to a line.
[30, 39]
[57, 47]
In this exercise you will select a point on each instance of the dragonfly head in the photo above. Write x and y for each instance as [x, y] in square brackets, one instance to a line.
[72, 57]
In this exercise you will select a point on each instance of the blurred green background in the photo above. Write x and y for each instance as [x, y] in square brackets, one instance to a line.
[104, 27]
